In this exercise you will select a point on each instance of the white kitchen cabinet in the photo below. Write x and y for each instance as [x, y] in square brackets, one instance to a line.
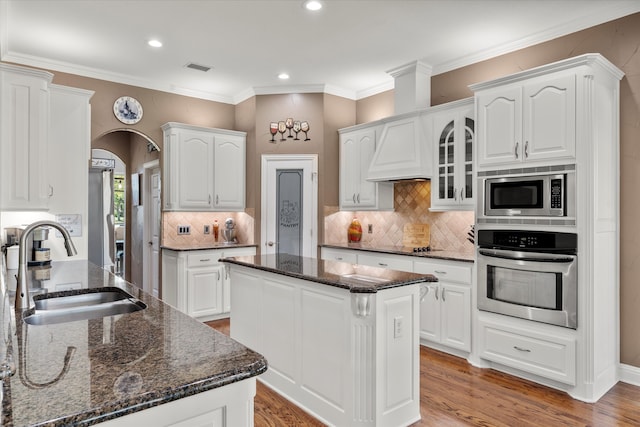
[24, 133]
[576, 99]
[531, 121]
[195, 282]
[445, 306]
[70, 145]
[390, 261]
[204, 168]
[229, 172]
[550, 354]
[204, 284]
[453, 136]
[357, 147]
[342, 255]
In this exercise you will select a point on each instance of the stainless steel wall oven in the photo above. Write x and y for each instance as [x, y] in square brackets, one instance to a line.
[529, 274]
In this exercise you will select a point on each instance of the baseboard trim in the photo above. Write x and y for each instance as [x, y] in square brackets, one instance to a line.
[629, 374]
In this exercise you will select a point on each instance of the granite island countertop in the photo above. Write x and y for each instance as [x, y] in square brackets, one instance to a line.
[85, 372]
[355, 278]
[402, 250]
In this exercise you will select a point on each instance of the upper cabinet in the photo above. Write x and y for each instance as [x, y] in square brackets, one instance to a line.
[229, 154]
[24, 132]
[453, 139]
[357, 147]
[204, 168]
[532, 121]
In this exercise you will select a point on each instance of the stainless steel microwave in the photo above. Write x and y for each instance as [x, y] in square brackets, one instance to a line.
[539, 195]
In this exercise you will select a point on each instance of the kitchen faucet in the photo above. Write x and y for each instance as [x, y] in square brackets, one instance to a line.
[22, 288]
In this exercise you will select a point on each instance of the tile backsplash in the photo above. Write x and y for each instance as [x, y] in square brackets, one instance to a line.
[197, 220]
[411, 201]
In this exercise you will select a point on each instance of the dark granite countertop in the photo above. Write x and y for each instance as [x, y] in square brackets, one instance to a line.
[355, 278]
[402, 250]
[118, 365]
[205, 246]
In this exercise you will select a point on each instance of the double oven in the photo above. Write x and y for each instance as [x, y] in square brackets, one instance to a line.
[527, 245]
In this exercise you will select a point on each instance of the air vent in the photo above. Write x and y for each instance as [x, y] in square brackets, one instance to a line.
[194, 66]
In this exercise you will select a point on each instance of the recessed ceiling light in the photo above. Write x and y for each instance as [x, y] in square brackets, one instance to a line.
[155, 43]
[312, 5]
[283, 76]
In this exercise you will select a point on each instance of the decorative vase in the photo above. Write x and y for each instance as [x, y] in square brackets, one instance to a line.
[354, 234]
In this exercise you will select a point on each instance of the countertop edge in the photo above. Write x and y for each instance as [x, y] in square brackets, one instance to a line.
[446, 255]
[206, 247]
[339, 281]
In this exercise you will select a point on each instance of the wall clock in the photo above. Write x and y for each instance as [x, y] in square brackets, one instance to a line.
[128, 110]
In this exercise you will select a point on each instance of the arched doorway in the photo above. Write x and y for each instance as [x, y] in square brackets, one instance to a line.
[137, 152]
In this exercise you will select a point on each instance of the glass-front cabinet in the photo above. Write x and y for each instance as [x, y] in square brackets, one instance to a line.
[454, 132]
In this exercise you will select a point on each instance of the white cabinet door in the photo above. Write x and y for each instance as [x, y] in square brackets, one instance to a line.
[499, 126]
[229, 172]
[549, 113]
[430, 309]
[445, 308]
[24, 128]
[356, 193]
[367, 196]
[195, 166]
[452, 182]
[204, 291]
[456, 316]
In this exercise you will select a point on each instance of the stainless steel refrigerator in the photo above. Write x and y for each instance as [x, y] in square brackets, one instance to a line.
[101, 219]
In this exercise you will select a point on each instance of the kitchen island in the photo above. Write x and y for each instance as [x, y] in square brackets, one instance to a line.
[156, 366]
[342, 340]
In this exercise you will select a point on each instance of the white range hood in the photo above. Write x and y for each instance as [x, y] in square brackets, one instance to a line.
[403, 150]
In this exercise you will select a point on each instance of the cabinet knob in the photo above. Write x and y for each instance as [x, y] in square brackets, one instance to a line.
[270, 243]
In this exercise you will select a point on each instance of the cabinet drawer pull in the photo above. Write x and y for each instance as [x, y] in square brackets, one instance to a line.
[436, 295]
[440, 272]
[442, 294]
[382, 264]
[354, 197]
[455, 194]
[339, 258]
[525, 350]
[526, 149]
[205, 260]
[358, 197]
[516, 150]
[217, 200]
[462, 194]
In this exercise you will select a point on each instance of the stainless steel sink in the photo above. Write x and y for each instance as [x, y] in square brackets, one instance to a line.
[89, 304]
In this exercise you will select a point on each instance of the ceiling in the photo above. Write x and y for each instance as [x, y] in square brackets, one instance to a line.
[346, 49]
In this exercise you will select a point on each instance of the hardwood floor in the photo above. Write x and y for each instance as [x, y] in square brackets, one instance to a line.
[454, 393]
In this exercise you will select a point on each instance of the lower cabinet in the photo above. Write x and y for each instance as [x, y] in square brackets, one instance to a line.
[547, 351]
[197, 283]
[445, 306]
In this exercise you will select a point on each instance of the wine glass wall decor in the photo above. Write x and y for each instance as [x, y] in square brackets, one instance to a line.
[289, 125]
